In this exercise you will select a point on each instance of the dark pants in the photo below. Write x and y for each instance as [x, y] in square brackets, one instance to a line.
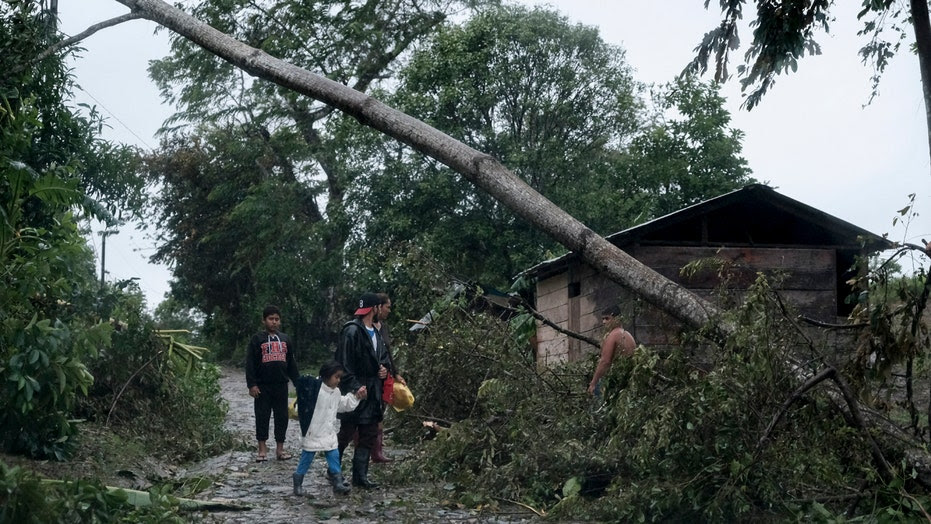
[272, 399]
[367, 434]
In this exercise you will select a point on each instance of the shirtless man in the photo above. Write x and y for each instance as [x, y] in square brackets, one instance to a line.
[616, 340]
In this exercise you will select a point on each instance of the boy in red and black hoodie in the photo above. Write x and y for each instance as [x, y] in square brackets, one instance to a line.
[269, 365]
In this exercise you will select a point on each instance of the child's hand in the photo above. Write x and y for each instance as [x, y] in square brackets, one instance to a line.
[361, 393]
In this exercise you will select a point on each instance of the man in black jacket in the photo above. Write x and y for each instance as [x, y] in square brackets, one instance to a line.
[363, 354]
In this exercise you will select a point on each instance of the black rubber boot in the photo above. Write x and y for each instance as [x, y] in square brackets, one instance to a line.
[330, 476]
[298, 484]
[340, 486]
[360, 469]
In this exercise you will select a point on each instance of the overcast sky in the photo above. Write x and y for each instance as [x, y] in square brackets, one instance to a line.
[811, 138]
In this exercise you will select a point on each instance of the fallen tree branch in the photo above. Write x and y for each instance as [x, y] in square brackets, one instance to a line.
[119, 394]
[832, 498]
[855, 415]
[141, 499]
[916, 502]
[884, 470]
[537, 512]
[796, 395]
[826, 325]
[539, 316]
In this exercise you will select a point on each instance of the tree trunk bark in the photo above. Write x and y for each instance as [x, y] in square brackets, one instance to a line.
[480, 169]
[922, 25]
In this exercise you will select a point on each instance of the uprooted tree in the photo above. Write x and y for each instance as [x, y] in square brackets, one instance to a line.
[480, 169]
[492, 177]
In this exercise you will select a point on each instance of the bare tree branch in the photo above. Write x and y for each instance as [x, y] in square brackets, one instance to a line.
[884, 469]
[80, 36]
[795, 396]
[537, 315]
[828, 325]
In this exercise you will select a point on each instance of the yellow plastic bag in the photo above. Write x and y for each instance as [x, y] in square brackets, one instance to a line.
[292, 409]
[403, 398]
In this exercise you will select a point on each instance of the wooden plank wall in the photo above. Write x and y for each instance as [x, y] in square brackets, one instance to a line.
[810, 285]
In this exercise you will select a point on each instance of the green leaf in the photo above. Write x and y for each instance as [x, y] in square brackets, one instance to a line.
[572, 487]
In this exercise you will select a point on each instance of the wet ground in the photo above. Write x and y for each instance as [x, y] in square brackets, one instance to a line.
[263, 490]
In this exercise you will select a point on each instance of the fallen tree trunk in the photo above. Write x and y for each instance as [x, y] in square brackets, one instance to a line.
[479, 168]
[490, 176]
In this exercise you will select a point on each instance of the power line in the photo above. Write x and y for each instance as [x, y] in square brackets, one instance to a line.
[126, 127]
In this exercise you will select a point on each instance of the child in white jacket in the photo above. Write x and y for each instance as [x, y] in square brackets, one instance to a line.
[318, 402]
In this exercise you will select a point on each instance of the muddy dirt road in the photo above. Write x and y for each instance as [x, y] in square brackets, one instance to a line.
[264, 489]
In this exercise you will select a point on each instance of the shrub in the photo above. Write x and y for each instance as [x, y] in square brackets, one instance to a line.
[671, 441]
[25, 498]
[140, 378]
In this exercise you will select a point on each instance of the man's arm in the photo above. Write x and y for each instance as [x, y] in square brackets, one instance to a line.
[293, 373]
[343, 355]
[607, 355]
[251, 351]
[386, 338]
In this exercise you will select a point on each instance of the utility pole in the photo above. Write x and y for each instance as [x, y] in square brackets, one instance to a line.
[103, 252]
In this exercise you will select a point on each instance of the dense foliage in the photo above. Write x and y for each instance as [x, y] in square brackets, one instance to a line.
[670, 440]
[252, 191]
[784, 33]
[72, 347]
[688, 153]
[48, 325]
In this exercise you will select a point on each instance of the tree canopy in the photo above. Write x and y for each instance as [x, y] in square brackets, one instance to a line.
[51, 167]
[287, 186]
[561, 107]
[785, 32]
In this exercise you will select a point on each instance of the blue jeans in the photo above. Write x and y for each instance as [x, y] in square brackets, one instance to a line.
[332, 461]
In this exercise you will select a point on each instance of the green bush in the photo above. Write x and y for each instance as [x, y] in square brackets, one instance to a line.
[137, 379]
[469, 370]
[26, 499]
[671, 441]
[41, 379]
[46, 328]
